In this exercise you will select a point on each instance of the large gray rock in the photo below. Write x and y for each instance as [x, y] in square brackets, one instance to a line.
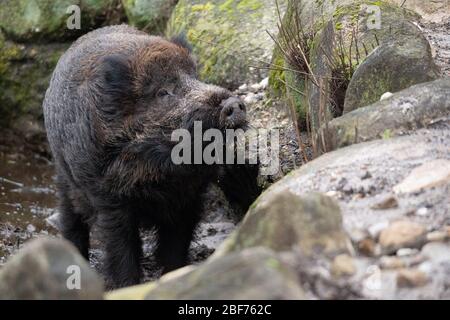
[25, 72]
[149, 15]
[352, 60]
[49, 269]
[254, 274]
[363, 175]
[368, 182]
[388, 58]
[419, 106]
[396, 64]
[45, 20]
[284, 221]
[228, 37]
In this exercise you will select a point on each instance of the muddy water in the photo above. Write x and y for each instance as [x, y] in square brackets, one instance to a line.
[27, 198]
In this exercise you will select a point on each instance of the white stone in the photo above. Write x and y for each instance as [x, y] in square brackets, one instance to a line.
[264, 83]
[422, 212]
[375, 229]
[386, 95]
[430, 174]
[404, 252]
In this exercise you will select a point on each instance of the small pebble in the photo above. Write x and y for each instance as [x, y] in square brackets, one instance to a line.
[251, 98]
[405, 252]
[437, 236]
[387, 203]
[422, 212]
[264, 83]
[447, 230]
[386, 95]
[243, 87]
[387, 262]
[402, 234]
[375, 229]
[410, 278]
[426, 267]
[367, 247]
[343, 265]
[334, 194]
[31, 228]
[366, 175]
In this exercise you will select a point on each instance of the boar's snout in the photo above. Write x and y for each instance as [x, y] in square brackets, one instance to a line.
[233, 113]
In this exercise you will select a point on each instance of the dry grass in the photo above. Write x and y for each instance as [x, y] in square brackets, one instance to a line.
[295, 44]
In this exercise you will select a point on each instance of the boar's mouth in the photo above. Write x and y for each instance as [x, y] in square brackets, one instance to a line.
[233, 114]
[240, 123]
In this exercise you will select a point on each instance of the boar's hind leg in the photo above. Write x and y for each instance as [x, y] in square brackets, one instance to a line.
[71, 223]
[123, 248]
[175, 238]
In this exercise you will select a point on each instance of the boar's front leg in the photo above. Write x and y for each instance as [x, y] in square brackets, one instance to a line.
[174, 237]
[122, 245]
[239, 183]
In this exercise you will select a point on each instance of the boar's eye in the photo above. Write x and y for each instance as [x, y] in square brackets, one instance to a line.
[162, 93]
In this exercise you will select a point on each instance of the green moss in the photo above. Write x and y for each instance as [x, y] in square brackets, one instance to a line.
[277, 75]
[202, 7]
[273, 263]
[226, 37]
[296, 84]
[44, 20]
[24, 76]
[249, 5]
[387, 134]
[227, 5]
[149, 15]
[243, 5]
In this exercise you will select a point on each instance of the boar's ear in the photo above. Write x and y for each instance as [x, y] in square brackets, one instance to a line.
[116, 74]
[182, 41]
[115, 80]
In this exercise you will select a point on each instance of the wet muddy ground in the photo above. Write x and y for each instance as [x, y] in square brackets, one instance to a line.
[27, 198]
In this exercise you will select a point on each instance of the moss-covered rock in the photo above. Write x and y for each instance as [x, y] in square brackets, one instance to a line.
[25, 72]
[394, 66]
[149, 15]
[344, 35]
[49, 269]
[307, 18]
[229, 37]
[419, 106]
[264, 274]
[45, 20]
[277, 74]
[356, 37]
[256, 274]
[283, 222]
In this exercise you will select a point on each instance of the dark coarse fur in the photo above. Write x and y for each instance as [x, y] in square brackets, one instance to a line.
[114, 99]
